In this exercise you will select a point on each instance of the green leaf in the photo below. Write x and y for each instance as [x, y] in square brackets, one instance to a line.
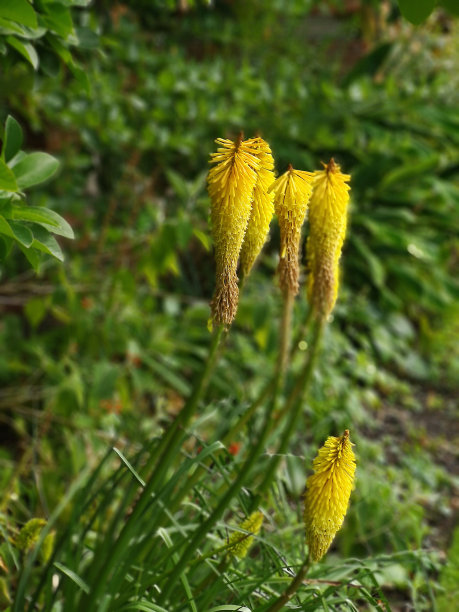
[20, 11]
[451, 5]
[416, 11]
[58, 19]
[34, 169]
[12, 141]
[7, 178]
[20, 232]
[5, 247]
[369, 64]
[73, 576]
[25, 49]
[48, 218]
[32, 256]
[43, 241]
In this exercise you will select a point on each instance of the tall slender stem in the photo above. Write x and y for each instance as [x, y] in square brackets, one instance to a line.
[291, 589]
[247, 466]
[166, 451]
[285, 333]
[292, 407]
[173, 433]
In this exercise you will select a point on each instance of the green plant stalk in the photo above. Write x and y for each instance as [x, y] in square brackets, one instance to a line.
[244, 472]
[168, 441]
[291, 589]
[229, 436]
[303, 330]
[167, 450]
[285, 335]
[293, 409]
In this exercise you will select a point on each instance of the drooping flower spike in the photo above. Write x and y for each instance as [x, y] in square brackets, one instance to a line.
[327, 493]
[230, 183]
[291, 191]
[262, 208]
[240, 542]
[327, 223]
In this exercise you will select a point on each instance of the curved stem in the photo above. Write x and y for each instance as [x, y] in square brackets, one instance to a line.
[247, 466]
[291, 589]
[166, 452]
[292, 407]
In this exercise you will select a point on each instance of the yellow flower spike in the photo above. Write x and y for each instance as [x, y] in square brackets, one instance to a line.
[239, 542]
[327, 493]
[230, 184]
[327, 222]
[291, 191]
[262, 208]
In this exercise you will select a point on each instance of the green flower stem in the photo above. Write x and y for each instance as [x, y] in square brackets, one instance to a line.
[168, 449]
[246, 468]
[223, 505]
[171, 436]
[303, 330]
[285, 335]
[291, 589]
[242, 421]
[292, 407]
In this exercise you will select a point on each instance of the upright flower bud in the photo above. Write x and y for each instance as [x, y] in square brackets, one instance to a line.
[230, 185]
[291, 191]
[240, 542]
[327, 493]
[262, 208]
[327, 223]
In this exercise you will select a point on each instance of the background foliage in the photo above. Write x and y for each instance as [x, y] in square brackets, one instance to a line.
[102, 350]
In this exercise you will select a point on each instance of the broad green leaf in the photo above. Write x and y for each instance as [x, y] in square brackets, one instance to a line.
[48, 218]
[58, 19]
[16, 230]
[20, 11]
[21, 233]
[44, 241]
[25, 49]
[7, 178]
[12, 141]
[11, 27]
[416, 11]
[32, 256]
[451, 5]
[34, 169]
[5, 247]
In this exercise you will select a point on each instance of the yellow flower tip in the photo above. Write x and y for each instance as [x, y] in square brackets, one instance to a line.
[262, 208]
[240, 542]
[327, 493]
[327, 221]
[291, 192]
[231, 182]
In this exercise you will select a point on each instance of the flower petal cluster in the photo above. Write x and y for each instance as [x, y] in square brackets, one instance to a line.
[291, 191]
[240, 542]
[262, 208]
[327, 493]
[327, 221]
[241, 211]
[230, 184]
